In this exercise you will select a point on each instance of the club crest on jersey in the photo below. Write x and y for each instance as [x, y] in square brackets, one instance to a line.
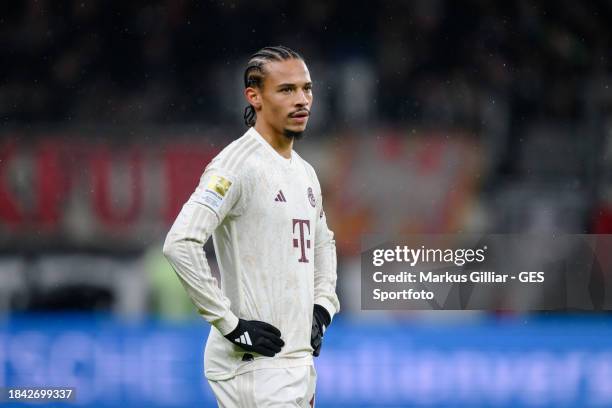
[311, 197]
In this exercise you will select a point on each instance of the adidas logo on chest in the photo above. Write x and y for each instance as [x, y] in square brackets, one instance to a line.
[280, 197]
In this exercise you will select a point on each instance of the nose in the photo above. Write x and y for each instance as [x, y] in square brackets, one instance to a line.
[302, 99]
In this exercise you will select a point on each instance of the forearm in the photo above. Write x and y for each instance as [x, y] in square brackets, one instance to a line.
[184, 250]
[325, 276]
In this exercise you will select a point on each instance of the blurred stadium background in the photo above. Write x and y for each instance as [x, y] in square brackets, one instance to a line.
[430, 116]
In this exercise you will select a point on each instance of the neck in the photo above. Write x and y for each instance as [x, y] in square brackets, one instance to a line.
[279, 142]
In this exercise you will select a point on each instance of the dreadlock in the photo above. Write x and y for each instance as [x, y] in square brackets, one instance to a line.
[254, 73]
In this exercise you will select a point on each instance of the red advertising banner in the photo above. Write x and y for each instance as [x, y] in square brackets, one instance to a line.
[76, 192]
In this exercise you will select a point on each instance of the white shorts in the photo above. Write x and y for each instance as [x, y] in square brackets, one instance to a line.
[268, 387]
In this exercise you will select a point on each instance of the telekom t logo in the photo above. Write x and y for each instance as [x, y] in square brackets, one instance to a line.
[301, 242]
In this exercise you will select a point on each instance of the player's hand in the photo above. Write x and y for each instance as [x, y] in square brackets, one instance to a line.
[320, 321]
[256, 336]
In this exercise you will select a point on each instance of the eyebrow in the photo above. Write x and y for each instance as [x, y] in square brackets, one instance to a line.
[291, 85]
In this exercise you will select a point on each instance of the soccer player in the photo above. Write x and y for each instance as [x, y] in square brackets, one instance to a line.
[262, 204]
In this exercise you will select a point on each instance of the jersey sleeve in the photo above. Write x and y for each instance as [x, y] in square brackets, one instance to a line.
[217, 196]
[325, 262]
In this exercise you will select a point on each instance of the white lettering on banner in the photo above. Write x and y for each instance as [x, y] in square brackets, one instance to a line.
[2, 362]
[468, 377]
[601, 387]
[100, 368]
[146, 368]
[70, 357]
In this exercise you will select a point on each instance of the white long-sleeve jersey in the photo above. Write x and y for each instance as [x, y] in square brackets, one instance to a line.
[276, 255]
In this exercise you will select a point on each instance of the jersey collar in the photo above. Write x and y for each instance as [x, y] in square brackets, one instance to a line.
[282, 160]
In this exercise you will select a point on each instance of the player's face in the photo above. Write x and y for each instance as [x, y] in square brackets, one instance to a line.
[286, 97]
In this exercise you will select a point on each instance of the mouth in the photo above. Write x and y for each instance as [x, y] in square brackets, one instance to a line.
[299, 114]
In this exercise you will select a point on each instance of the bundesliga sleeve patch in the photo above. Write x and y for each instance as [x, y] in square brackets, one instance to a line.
[219, 185]
[215, 192]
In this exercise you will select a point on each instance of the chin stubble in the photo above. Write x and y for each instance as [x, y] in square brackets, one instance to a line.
[293, 135]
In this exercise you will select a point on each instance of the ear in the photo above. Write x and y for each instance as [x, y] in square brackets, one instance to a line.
[253, 97]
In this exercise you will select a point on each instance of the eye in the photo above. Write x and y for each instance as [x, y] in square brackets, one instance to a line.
[308, 88]
[286, 90]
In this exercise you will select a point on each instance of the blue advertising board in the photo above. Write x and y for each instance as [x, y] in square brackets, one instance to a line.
[509, 362]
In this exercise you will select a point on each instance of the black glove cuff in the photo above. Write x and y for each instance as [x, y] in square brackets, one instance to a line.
[235, 333]
[322, 315]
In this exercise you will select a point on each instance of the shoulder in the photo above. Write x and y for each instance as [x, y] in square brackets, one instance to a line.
[236, 159]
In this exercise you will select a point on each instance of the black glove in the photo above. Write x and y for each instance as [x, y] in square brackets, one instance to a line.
[256, 336]
[320, 321]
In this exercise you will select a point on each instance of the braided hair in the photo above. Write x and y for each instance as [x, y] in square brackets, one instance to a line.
[254, 73]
